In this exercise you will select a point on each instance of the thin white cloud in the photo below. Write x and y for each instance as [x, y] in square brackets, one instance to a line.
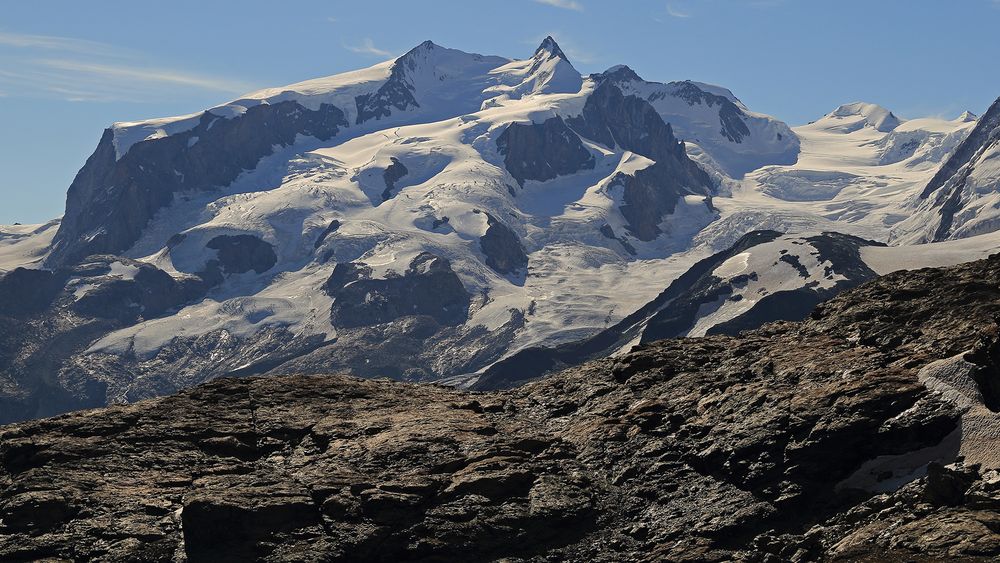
[367, 47]
[676, 12]
[147, 75]
[332, 19]
[564, 4]
[82, 70]
[54, 43]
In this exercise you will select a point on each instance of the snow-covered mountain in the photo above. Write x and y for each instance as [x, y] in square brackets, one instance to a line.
[963, 197]
[417, 219]
[711, 118]
[430, 215]
[860, 171]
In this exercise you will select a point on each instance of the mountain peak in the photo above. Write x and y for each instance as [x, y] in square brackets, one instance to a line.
[967, 117]
[620, 73]
[874, 115]
[549, 48]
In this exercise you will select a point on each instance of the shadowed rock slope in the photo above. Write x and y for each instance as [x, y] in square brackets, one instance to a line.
[839, 438]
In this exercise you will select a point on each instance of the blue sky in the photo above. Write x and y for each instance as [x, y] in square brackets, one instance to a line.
[68, 68]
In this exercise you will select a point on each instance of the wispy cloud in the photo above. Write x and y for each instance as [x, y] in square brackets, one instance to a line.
[367, 47]
[564, 4]
[677, 12]
[54, 43]
[82, 70]
[332, 19]
[147, 75]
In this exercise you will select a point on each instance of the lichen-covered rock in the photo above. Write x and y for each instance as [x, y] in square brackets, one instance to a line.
[746, 448]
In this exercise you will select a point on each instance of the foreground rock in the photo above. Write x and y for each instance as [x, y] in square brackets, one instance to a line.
[838, 438]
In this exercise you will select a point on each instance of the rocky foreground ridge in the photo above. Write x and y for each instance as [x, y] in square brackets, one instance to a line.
[868, 432]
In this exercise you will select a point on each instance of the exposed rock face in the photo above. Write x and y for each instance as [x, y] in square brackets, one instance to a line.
[679, 308]
[147, 293]
[951, 188]
[502, 247]
[631, 123]
[713, 118]
[112, 199]
[648, 196]
[47, 318]
[25, 291]
[330, 229]
[392, 174]
[239, 254]
[429, 287]
[395, 93]
[542, 151]
[609, 232]
[731, 123]
[707, 449]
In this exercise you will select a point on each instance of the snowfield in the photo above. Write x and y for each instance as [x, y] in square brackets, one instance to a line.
[857, 170]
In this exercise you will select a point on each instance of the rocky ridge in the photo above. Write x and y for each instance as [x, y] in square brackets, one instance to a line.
[866, 433]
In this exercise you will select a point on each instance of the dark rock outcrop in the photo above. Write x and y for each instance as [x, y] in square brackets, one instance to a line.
[502, 247]
[675, 310]
[57, 315]
[429, 287]
[392, 174]
[239, 254]
[542, 151]
[731, 121]
[148, 293]
[397, 91]
[112, 199]
[706, 449]
[608, 232]
[631, 123]
[330, 229]
[648, 196]
[948, 184]
[23, 290]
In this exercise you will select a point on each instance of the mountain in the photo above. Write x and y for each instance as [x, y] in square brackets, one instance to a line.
[849, 118]
[765, 277]
[860, 171]
[736, 139]
[432, 215]
[416, 219]
[866, 433]
[961, 199]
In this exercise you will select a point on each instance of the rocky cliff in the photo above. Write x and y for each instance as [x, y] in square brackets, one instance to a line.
[866, 433]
